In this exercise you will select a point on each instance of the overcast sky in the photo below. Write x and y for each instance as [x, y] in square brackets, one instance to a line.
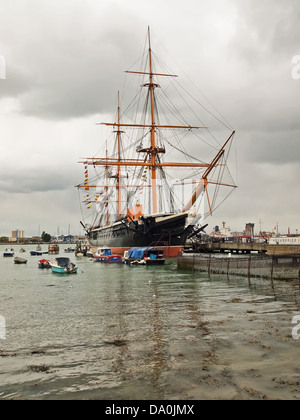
[64, 61]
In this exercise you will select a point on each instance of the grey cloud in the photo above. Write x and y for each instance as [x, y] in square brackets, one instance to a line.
[277, 148]
[267, 28]
[17, 81]
[62, 66]
[38, 179]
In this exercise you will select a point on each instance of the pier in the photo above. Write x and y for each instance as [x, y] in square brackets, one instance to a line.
[245, 259]
[242, 248]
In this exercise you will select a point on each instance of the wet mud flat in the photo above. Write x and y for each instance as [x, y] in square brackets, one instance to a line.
[248, 353]
[153, 335]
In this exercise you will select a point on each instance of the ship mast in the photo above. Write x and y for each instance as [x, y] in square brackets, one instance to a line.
[119, 158]
[106, 190]
[152, 152]
[119, 166]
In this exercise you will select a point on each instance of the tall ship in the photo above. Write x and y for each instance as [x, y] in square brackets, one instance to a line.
[151, 185]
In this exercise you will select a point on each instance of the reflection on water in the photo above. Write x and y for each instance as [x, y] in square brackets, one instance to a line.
[121, 332]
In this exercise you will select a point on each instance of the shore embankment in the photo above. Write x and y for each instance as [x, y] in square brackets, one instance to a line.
[245, 248]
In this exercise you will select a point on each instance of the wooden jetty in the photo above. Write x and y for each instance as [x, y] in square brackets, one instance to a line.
[243, 248]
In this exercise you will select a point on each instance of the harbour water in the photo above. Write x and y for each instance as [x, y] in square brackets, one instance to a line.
[115, 332]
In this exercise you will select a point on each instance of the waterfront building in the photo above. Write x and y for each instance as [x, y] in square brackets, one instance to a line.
[17, 234]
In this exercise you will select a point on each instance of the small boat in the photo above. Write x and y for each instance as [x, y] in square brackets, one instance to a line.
[102, 251]
[44, 264]
[22, 250]
[144, 256]
[63, 265]
[83, 249]
[19, 260]
[9, 252]
[89, 253]
[104, 254]
[36, 253]
[53, 248]
[69, 250]
[114, 258]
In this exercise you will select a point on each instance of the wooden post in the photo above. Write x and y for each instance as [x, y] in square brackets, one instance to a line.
[272, 268]
[249, 267]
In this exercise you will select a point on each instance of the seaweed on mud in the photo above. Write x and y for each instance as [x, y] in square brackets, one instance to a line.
[117, 342]
[39, 368]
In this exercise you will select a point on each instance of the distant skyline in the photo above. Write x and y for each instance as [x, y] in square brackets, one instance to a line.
[61, 64]
[59, 232]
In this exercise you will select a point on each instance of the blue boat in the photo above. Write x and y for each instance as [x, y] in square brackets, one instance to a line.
[36, 253]
[145, 256]
[9, 252]
[63, 265]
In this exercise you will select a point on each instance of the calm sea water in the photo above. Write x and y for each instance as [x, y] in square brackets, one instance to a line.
[119, 332]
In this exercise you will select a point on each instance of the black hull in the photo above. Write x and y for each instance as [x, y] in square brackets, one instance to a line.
[168, 230]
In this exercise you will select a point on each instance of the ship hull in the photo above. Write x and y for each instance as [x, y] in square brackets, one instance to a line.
[168, 230]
